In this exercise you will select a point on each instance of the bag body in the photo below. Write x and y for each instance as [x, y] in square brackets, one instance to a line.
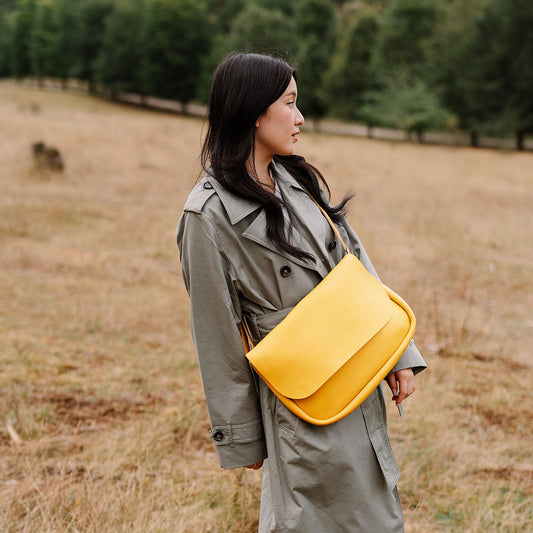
[322, 381]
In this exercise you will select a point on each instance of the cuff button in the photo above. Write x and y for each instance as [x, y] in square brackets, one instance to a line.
[218, 436]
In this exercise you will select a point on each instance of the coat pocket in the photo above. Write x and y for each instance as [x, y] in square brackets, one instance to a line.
[286, 421]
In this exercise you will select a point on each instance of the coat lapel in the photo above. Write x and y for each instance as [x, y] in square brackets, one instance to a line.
[311, 231]
[256, 232]
[239, 208]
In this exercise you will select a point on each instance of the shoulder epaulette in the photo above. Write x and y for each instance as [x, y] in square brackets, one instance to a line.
[199, 195]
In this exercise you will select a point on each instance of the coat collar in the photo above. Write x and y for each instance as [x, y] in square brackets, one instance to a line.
[236, 207]
[297, 200]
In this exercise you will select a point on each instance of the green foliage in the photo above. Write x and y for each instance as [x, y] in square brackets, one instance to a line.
[316, 18]
[176, 39]
[7, 6]
[92, 16]
[5, 38]
[42, 41]
[258, 29]
[406, 28]
[498, 86]
[118, 65]
[413, 108]
[67, 24]
[23, 21]
[312, 63]
[287, 8]
[352, 73]
[400, 63]
[223, 12]
[449, 55]
[315, 26]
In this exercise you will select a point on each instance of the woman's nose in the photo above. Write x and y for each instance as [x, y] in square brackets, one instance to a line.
[299, 118]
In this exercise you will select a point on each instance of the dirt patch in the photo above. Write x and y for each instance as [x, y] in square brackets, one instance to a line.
[519, 475]
[80, 410]
[510, 422]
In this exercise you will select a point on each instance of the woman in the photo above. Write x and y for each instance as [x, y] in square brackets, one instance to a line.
[252, 244]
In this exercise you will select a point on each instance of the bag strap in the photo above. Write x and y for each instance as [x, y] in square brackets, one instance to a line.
[324, 212]
[246, 336]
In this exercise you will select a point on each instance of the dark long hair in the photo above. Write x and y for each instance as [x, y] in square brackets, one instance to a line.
[244, 86]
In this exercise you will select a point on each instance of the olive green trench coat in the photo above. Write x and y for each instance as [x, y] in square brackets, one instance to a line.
[320, 479]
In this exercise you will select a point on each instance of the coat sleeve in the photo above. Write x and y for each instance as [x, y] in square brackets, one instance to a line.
[230, 391]
[411, 357]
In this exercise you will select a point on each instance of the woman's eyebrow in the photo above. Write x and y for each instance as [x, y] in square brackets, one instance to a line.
[291, 93]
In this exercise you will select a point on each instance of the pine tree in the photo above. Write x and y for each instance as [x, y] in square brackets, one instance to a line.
[176, 40]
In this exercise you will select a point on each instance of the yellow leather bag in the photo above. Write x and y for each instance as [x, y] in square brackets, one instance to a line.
[336, 345]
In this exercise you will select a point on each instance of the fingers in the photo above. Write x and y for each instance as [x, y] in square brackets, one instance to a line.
[406, 382]
[391, 380]
[255, 466]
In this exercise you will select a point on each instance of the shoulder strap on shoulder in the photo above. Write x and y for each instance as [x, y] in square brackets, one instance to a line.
[328, 219]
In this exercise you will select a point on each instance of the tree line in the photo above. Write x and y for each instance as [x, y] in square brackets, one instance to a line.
[415, 65]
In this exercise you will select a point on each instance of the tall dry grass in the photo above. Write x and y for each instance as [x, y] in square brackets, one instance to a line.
[102, 419]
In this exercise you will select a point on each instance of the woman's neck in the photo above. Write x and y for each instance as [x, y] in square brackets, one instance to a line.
[261, 172]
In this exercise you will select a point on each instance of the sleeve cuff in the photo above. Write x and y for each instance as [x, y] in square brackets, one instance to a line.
[411, 358]
[239, 445]
[241, 454]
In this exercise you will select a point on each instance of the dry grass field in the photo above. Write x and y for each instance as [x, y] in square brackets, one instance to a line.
[103, 426]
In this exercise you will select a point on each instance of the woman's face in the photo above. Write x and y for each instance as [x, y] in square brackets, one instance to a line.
[278, 128]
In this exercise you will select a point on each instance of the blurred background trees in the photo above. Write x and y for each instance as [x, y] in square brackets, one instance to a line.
[416, 65]
[176, 36]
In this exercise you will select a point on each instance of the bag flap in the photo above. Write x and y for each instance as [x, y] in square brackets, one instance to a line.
[339, 316]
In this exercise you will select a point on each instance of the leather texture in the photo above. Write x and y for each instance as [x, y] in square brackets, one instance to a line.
[320, 381]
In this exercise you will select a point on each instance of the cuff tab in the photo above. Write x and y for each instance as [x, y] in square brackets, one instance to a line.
[231, 434]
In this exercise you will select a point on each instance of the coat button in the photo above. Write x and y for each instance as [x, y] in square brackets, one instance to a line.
[285, 271]
[207, 185]
[218, 436]
[332, 245]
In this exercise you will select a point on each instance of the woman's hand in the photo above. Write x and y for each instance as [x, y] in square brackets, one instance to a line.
[402, 384]
[255, 466]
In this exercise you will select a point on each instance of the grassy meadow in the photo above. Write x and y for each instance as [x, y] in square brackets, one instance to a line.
[103, 426]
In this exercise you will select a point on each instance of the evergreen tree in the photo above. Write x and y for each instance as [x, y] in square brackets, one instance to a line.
[312, 61]
[177, 38]
[5, 38]
[316, 17]
[21, 28]
[223, 13]
[404, 99]
[451, 57]
[285, 7]
[315, 26]
[406, 28]
[66, 22]
[413, 108]
[92, 15]
[258, 29]
[42, 41]
[498, 86]
[118, 65]
[352, 72]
